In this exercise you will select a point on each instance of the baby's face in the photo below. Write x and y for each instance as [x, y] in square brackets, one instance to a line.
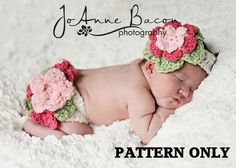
[175, 89]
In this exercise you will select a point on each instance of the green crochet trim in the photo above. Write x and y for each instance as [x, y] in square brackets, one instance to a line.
[199, 35]
[165, 66]
[66, 111]
[28, 107]
[45, 71]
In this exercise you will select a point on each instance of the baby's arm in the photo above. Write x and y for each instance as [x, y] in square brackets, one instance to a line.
[145, 119]
[146, 125]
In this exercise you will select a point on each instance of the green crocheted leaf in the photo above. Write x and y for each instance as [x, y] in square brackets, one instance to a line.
[197, 55]
[66, 111]
[147, 55]
[28, 107]
[199, 35]
[166, 66]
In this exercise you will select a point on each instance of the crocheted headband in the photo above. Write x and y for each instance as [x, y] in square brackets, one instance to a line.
[179, 44]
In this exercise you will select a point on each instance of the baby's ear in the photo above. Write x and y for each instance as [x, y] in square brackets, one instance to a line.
[149, 67]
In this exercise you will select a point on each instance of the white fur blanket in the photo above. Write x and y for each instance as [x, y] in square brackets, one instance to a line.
[28, 46]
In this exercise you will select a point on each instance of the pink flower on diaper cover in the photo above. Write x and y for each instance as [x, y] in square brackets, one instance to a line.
[45, 118]
[29, 93]
[50, 91]
[177, 41]
[68, 69]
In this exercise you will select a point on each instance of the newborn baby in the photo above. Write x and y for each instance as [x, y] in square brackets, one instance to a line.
[146, 90]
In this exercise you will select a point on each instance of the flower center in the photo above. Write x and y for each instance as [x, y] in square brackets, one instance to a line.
[173, 39]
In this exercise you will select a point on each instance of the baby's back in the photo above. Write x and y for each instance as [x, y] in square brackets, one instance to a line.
[106, 91]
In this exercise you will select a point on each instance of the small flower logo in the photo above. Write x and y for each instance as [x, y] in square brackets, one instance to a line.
[84, 30]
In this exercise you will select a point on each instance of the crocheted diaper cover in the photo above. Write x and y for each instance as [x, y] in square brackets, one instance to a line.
[51, 97]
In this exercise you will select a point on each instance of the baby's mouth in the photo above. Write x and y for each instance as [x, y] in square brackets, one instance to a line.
[177, 100]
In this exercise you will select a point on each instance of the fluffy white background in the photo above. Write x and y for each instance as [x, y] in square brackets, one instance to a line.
[27, 46]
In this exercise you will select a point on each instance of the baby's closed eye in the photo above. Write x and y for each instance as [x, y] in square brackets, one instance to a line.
[178, 78]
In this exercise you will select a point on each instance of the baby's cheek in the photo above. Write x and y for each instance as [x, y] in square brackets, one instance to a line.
[170, 86]
[189, 100]
[165, 91]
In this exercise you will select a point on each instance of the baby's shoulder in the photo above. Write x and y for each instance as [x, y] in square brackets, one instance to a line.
[136, 61]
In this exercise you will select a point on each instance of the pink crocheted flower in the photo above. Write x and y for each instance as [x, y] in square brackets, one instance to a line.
[50, 91]
[28, 92]
[46, 119]
[177, 41]
[68, 69]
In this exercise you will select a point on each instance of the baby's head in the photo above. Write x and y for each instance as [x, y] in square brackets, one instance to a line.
[175, 64]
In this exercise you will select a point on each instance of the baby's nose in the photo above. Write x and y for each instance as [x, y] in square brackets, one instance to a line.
[184, 92]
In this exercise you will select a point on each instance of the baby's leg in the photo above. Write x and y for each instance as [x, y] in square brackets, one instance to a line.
[41, 131]
[75, 127]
